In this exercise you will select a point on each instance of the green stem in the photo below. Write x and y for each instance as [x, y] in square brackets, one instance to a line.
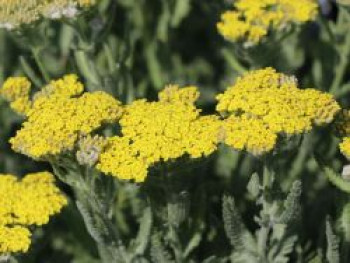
[94, 211]
[265, 213]
[233, 61]
[176, 244]
[30, 72]
[340, 69]
[173, 223]
[44, 73]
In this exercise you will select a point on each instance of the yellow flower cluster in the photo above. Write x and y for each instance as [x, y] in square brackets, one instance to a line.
[159, 131]
[15, 13]
[275, 100]
[58, 117]
[30, 201]
[250, 134]
[251, 20]
[344, 147]
[16, 90]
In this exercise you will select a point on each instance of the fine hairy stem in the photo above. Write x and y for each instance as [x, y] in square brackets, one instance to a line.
[94, 211]
[344, 52]
[265, 218]
[233, 61]
[36, 56]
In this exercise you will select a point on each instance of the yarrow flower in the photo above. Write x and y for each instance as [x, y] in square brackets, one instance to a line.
[23, 204]
[344, 147]
[276, 102]
[58, 117]
[252, 20]
[159, 131]
[16, 90]
[15, 13]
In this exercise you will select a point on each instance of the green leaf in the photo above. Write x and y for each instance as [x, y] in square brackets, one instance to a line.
[253, 186]
[336, 180]
[332, 244]
[182, 9]
[281, 251]
[345, 222]
[240, 238]
[158, 251]
[143, 237]
[291, 204]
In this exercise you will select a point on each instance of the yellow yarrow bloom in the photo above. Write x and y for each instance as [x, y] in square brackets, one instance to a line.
[344, 147]
[153, 132]
[275, 99]
[250, 134]
[251, 20]
[15, 13]
[56, 121]
[16, 90]
[24, 203]
[14, 239]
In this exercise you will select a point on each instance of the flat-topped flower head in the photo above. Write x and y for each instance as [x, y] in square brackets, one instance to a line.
[16, 13]
[56, 120]
[275, 99]
[272, 103]
[58, 9]
[158, 132]
[251, 20]
[16, 90]
[23, 204]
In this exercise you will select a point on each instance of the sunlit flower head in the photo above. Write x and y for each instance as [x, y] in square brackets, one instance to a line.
[251, 20]
[58, 117]
[273, 104]
[161, 131]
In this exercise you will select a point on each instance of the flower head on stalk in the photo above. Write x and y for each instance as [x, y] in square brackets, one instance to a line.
[16, 90]
[59, 116]
[274, 100]
[252, 20]
[23, 204]
[159, 131]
